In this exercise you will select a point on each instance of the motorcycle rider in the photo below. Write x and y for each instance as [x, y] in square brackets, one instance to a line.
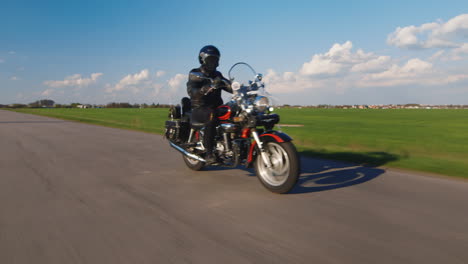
[204, 99]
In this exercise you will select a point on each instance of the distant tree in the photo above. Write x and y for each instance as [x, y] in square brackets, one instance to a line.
[47, 103]
[411, 105]
[125, 105]
[42, 103]
[118, 105]
[35, 104]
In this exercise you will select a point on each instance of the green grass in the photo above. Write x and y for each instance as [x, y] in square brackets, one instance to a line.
[427, 140]
[149, 120]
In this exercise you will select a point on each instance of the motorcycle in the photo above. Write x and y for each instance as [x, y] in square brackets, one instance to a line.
[244, 135]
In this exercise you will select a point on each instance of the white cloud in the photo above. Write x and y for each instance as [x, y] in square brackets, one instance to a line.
[175, 83]
[160, 74]
[172, 90]
[74, 80]
[374, 65]
[437, 55]
[290, 82]
[339, 59]
[454, 27]
[47, 92]
[146, 87]
[413, 71]
[458, 53]
[14, 78]
[431, 35]
[341, 69]
[320, 65]
[130, 81]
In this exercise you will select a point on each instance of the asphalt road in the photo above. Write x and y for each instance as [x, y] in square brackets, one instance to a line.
[78, 193]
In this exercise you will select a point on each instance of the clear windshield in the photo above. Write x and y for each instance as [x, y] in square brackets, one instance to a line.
[250, 81]
[242, 73]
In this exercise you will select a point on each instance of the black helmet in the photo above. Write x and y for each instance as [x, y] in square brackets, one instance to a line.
[208, 51]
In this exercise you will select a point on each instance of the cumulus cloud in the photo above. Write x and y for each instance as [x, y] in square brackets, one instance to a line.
[340, 58]
[341, 69]
[459, 53]
[130, 81]
[431, 35]
[160, 74]
[437, 55]
[177, 85]
[412, 71]
[144, 86]
[172, 90]
[47, 92]
[177, 80]
[14, 78]
[291, 82]
[74, 80]
[373, 65]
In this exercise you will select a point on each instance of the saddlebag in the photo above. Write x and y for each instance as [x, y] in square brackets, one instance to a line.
[177, 130]
[175, 112]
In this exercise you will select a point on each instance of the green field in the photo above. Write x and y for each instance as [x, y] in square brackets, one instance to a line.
[426, 140]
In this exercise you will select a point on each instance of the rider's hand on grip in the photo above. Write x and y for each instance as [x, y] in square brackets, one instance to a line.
[206, 89]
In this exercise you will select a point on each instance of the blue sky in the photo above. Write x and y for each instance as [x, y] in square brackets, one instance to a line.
[336, 52]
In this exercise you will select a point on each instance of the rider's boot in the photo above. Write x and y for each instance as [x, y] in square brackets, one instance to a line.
[210, 157]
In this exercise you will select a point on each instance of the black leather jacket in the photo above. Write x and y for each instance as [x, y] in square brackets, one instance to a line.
[196, 89]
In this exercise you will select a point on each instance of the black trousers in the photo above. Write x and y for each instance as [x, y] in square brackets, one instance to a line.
[207, 116]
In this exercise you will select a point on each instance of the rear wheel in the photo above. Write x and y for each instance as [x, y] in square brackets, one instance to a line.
[193, 164]
[284, 171]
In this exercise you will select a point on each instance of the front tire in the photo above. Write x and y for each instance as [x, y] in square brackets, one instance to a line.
[193, 164]
[284, 172]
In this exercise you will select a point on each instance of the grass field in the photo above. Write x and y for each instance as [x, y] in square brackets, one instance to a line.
[426, 140]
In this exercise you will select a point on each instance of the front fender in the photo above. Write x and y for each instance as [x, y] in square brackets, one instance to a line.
[268, 136]
[273, 135]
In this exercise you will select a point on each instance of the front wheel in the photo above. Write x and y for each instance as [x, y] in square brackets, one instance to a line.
[284, 171]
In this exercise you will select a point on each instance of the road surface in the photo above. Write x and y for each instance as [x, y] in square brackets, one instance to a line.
[78, 193]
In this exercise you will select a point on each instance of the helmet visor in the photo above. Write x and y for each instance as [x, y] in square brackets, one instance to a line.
[211, 62]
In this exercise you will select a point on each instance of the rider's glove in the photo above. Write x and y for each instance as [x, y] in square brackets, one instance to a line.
[206, 89]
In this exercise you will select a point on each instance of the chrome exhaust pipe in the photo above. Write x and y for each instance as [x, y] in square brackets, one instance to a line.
[186, 153]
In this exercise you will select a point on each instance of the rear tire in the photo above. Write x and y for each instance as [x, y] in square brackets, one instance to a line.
[283, 175]
[193, 164]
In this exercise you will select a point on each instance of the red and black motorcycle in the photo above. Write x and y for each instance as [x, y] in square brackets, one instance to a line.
[244, 136]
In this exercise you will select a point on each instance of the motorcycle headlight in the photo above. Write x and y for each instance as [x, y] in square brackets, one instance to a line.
[261, 103]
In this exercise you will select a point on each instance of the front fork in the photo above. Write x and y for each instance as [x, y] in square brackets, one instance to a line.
[263, 153]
